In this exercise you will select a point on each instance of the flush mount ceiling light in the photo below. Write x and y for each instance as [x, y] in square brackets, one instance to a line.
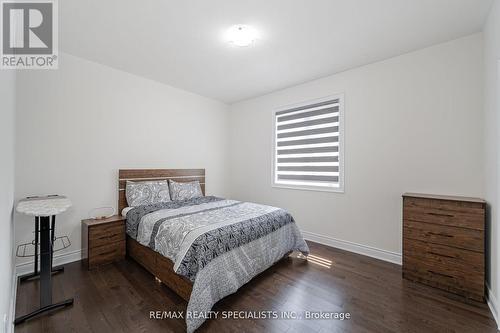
[241, 35]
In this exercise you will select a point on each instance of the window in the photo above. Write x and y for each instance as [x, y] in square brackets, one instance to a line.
[308, 145]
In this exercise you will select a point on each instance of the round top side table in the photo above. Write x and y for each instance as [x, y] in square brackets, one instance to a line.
[44, 209]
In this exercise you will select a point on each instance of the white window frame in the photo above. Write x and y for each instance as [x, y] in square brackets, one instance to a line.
[341, 187]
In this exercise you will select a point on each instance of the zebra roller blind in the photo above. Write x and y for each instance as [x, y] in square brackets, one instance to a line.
[308, 145]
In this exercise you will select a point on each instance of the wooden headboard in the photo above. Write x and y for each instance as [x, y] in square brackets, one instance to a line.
[178, 175]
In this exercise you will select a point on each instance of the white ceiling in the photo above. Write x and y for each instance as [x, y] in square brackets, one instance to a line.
[180, 43]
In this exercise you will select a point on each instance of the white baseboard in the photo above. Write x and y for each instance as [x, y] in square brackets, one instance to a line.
[369, 251]
[492, 302]
[59, 259]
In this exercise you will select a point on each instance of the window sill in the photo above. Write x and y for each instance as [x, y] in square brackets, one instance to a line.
[309, 188]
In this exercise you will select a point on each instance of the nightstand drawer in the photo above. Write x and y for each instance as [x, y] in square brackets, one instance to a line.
[106, 254]
[105, 234]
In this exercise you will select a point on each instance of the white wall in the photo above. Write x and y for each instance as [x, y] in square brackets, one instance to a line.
[491, 137]
[78, 125]
[412, 123]
[7, 112]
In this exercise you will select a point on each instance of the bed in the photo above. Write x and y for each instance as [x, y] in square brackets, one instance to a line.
[204, 248]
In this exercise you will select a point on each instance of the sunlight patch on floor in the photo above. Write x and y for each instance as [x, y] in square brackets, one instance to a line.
[320, 261]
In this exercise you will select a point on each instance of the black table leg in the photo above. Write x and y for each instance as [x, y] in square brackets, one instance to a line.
[45, 257]
[36, 274]
[45, 274]
[52, 239]
[37, 230]
[41, 310]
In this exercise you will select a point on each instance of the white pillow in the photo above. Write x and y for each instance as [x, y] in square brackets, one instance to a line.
[146, 193]
[185, 191]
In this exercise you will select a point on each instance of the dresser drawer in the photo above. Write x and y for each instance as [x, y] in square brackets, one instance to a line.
[442, 255]
[462, 238]
[444, 215]
[451, 205]
[106, 254]
[469, 284]
[104, 234]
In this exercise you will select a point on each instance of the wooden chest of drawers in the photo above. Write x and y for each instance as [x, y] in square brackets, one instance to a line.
[103, 241]
[443, 243]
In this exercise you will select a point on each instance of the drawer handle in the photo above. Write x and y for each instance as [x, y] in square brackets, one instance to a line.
[107, 237]
[107, 252]
[439, 234]
[436, 273]
[441, 214]
[439, 254]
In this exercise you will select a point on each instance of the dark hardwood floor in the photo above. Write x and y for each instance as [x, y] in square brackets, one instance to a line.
[119, 298]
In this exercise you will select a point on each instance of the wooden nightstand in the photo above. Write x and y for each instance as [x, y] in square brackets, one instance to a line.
[103, 241]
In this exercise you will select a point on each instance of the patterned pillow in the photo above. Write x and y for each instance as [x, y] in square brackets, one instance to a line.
[185, 191]
[146, 193]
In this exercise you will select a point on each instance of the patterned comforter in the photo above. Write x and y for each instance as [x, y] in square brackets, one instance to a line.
[218, 244]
